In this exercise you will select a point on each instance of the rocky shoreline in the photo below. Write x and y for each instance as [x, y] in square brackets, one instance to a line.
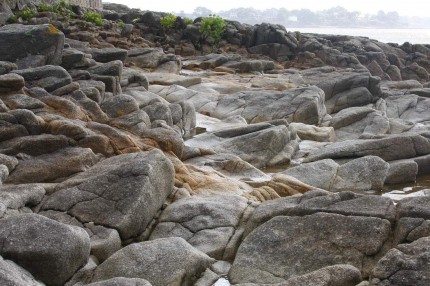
[130, 155]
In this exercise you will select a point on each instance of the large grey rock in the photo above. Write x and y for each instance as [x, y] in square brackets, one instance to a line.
[4, 173]
[402, 171]
[337, 275]
[72, 58]
[344, 203]
[104, 241]
[48, 77]
[355, 97]
[19, 123]
[272, 40]
[359, 122]
[389, 148]
[150, 58]
[22, 101]
[109, 54]
[14, 275]
[168, 261]
[320, 174]
[250, 143]
[9, 161]
[31, 46]
[287, 246]
[362, 174]
[50, 251]
[54, 166]
[251, 66]
[407, 264]
[227, 164]
[132, 78]
[122, 192]
[7, 67]
[113, 68]
[121, 281]
[159, 111]
[172, 79]
[11, 83]
[35, 145]
[19, 198]
[414, 207]
[119, 105]
[344, 88]
[207, 223]
[411, 107]
[304, 105]
[202, 101]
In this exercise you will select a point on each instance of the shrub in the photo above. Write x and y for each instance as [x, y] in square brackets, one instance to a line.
[188, 21]
[12, 19]
[94, 18]
[44, 7]
[121, 24]
[57, 8]
[25, 14]
[62, 5]
[213, 26]
[168, 21]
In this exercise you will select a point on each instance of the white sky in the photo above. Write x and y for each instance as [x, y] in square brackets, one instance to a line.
[404, 8]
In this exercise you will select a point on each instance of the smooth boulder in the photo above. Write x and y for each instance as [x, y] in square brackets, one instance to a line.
[123, 192]
[389, 149]
[407, 264]
[12, 274]
[49, 250]
[304, 105]
[31, 45]
[167, 261]
[262, 145]
[287, 246]
[49, 77]
[207, 223]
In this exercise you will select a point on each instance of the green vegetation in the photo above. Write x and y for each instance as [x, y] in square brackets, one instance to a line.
[188, 21]
[135, 21]
[45, 7]
[62, 5]
[94, 18]
[168, 21]
[213, 27]
[12, 19]
[57, 8]
[121, 24]
[25, 14]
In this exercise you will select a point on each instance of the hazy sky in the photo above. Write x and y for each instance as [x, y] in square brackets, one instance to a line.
[404, 8]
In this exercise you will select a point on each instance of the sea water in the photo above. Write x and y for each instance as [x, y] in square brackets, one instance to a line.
[399, 36]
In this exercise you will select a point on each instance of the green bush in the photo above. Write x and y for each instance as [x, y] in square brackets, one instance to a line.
[94, 18]
[121, 24]
[62, 5]
[188, 21]
[57, 8]
[25, 14]
[12, 19]
[168, 21]
[44, 7]
[213, 27]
